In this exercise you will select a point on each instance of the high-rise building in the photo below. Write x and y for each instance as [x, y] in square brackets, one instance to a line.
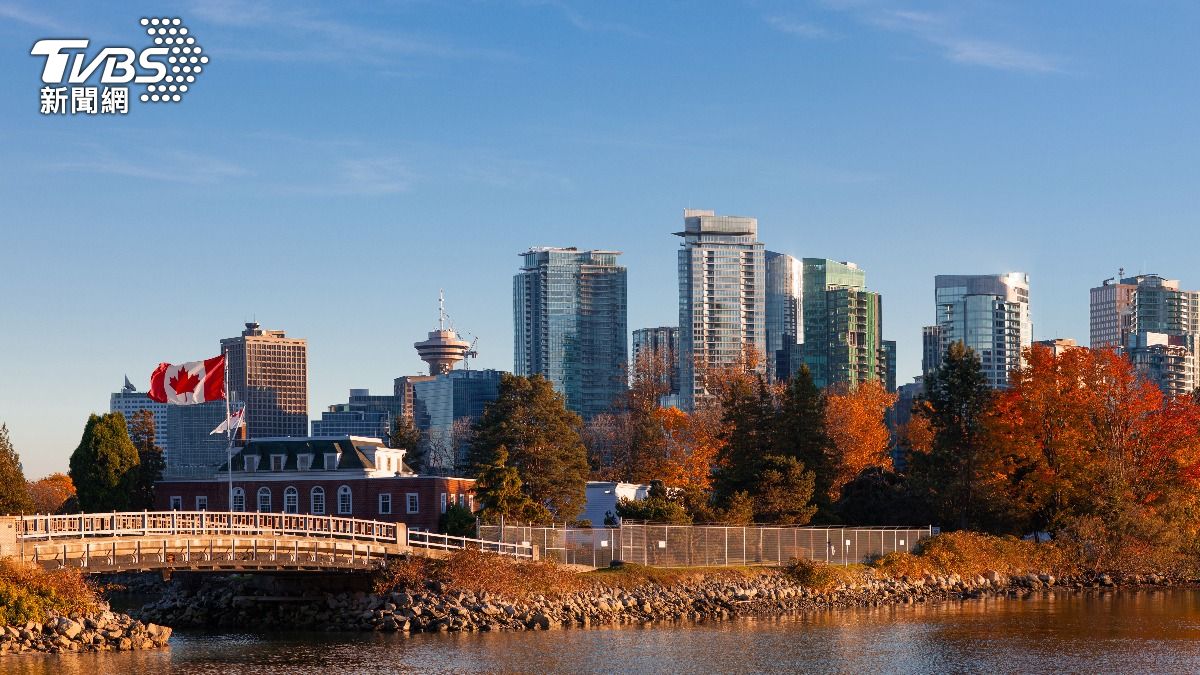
[843, 324]
[722, 298]
[569, 311]
[1058, 346]
[1169, 361]
[268, 371]
[129, 401]
[662, 345]
[364, 414]
[784, 317]
[889, 355]
[990, 314]
[931, 349]
[444, 409]
[195, 451]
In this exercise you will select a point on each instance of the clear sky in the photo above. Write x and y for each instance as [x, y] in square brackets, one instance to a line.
[336, 164]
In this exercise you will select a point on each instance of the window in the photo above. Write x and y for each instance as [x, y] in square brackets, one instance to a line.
[316, 499]
[176, 503]
[277, 462]
[264, 499]
[443, 502]
[345, 501]
[412, 503]
[471, 503]
[385, 503]
[201, 502]
[239, 499]
[330, 461]
[304, 462]
[462, 500]
[251, 463]
[291, 500]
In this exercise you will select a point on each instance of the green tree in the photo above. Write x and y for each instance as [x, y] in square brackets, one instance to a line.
[104, 466]
[784, 492]
[498, 489]
[150, 459]
[748, 419]
[957, 398]
[799, 432]
[14, 491]
[657, 507]
[406, 436]
[458, 521]
[530, 420]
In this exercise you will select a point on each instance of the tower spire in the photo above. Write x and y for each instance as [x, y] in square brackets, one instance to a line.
[444, 348]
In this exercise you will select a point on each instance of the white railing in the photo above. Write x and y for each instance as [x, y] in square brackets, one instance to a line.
[201, 553]
[204, 523]
[451, 543]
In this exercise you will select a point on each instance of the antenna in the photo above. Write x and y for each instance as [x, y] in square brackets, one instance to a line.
[441, 309]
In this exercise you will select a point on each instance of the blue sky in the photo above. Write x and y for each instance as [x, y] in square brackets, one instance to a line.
[336, 164]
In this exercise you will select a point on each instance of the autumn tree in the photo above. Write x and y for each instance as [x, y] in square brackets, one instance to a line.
[14, 493]
[406, 436]
[52, 494]
[143, 435]
[530, 420]
[690, 442]
[854, 421]
[104, 466]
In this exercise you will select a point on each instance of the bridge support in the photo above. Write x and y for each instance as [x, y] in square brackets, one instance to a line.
[8, 536]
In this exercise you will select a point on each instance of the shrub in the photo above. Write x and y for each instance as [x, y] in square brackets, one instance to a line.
[824, 576]
[30, 593]
[480, 572]
[972, 553]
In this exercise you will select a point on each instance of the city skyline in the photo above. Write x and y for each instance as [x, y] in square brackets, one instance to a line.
[443, 140]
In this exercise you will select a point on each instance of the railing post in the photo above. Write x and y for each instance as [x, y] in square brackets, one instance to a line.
[145, 525]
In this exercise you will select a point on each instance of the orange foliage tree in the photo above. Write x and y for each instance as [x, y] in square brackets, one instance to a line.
[690, 448]
[51, 494]
[854, 422]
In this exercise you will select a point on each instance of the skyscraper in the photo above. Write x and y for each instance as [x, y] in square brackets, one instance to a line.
[569, 311]
[268, 371]
[444, 409]
[931, 349]
[784, 318]
[363, 414]
[990, 314]
[889, 352]
[722, 303]
[129, 400]
[843, 324]
[662, 344]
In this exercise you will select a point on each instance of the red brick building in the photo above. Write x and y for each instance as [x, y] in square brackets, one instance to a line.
[346, 476]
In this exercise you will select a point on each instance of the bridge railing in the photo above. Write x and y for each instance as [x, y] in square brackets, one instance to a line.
[452, 543]
[206, 523]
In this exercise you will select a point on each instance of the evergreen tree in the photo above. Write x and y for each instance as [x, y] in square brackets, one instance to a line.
[150, 460]
[957, 398]
[748, 419]
[406, 436]
[104, 465]
[799, 432]
[784, 492]
[14, 491]
[530, 420]
[498, 489]
[657, 507]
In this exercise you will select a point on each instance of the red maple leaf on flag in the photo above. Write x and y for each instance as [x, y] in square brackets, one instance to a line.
[184, 382]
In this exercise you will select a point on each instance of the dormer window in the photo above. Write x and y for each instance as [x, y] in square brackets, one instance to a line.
[330, 461]
[277, 462]
[304, 462]
[251, 463]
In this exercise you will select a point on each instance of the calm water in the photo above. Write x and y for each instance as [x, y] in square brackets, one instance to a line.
[1128, 632]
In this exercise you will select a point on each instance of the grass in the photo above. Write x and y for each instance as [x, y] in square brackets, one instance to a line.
[630, 576]
[30, 593]
[970, 554]
[479, 572]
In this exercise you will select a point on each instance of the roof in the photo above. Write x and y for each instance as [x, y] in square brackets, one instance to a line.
[351, 451]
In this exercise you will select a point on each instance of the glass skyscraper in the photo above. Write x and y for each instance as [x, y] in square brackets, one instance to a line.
[722, 298]
[843, 324]
[569, 311]
[990, 314]
[785, 319]
[442, 402]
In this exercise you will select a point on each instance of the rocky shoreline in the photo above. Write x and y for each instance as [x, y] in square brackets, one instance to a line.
[95, 632]
[238, 602]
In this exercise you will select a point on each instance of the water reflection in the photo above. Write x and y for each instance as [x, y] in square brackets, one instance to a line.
[1144, 631]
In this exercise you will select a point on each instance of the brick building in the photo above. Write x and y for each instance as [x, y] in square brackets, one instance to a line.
[348, 476]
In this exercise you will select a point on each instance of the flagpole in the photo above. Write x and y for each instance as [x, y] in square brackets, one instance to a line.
[228, 434]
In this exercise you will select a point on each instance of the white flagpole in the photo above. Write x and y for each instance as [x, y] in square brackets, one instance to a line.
[228, 434]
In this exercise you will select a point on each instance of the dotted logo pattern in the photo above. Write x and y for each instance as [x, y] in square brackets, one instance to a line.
[185, 61]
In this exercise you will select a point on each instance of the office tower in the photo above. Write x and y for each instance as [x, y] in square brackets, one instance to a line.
[1153, 322]
[195, 451]
[990, 314]
[268, 371]
[662, 345]
[931, 349]
[129, 401]
[889, 354]
[722, 303]
[569, 311]
[1058, 346]
[363, 414]
[784, 315]
[843, 324]
[445, 408]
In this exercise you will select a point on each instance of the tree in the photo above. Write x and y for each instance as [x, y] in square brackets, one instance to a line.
[498, 489]
[543, 441]
[854, 421]
[657, 507]
[52, 494]
[784, 492]
[690, 442]
[458, 521]
[150, 459]
[406, 436]
[104, 466]
[800, 432]
[14, 493]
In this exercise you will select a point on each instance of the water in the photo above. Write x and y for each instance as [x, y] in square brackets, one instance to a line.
[1126, 632]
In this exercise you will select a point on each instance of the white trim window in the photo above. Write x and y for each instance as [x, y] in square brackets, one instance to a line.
[385, 503]
[264, 499]
[250, 463]
[317, 501]
[291, 500]
[443, 502]
[412, 502]
[239, 499]
[345, 501]
[278, 462]
[201, 502]
[303, 462]
[176, 503]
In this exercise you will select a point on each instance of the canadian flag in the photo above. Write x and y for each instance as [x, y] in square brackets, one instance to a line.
[189, 383]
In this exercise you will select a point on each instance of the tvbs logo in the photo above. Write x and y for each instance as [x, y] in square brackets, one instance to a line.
[168, 69]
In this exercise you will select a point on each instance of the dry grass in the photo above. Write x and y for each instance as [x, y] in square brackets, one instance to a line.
[824, 576]
[970, 554]
[630, 576]
[29, 593]
[480, 572]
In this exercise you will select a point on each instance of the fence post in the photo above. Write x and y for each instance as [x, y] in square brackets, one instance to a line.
[145, 524]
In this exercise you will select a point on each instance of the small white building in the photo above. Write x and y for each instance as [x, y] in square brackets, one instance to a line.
[602, 499]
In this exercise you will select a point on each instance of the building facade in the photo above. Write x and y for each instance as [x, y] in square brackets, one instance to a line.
[662, 345]
[889, 356]
[1169, 361]
[931, 349]
[268, 371]
[569, 313]
[784, 314]
[195, 451]
[129, 401]
[363, 414]
[349, 477]
[444, 409]
[722, 299]
[843, 325]
[990, 314]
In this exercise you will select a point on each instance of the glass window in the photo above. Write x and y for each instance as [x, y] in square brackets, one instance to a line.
[385, 503]
[239, 499]
[413, 504]
[201, 502]
[345, 500]
[176, 503]
[264, 499]
[291, 500]
[443, 502]
[317, 499]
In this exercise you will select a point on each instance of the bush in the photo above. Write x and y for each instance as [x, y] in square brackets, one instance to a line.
[824, 576]
[972, 553]
[480, 572]
[29, 593]
[458, 521]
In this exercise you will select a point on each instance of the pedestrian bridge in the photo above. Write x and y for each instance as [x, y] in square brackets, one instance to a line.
[170, 541]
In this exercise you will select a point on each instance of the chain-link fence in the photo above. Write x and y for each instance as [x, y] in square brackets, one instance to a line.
[708, 545]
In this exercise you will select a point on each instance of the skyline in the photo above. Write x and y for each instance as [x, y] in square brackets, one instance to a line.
[335, 167]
